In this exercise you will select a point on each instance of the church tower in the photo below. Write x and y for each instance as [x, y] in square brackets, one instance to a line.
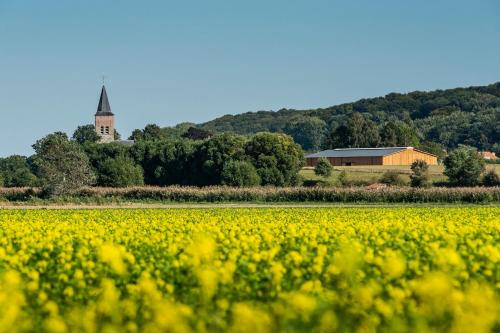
[105, 119]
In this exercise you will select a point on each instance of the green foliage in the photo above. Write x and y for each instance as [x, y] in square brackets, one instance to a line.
[120, 171]
[433, 148]
[166, 162]
[85, 134]
[343, 179]
[392, 178]
[267, 194]
[490, 178]
[239, 173]
[153, 132]
[323, 168]
[357, 132]
[464, 166]
[398, 134]
[450, 117]
[194, 133]
[420, 174]
[62, 165]
[211, 155]
[15, 171]
[496, 161]
[277, 157]
[307, 132]
[496, 149]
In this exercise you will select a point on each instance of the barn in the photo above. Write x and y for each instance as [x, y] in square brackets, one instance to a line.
[372, 156]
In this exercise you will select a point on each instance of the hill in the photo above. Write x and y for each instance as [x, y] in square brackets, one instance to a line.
[449, 117]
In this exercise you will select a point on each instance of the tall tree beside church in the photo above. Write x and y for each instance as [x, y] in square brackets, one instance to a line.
[61, 164]
[85, 134]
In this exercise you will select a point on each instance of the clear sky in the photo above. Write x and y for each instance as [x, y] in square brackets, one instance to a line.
[172, 61]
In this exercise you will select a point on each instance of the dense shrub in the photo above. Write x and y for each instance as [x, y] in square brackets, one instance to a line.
[120, 172]
[270, 194]
[15, 171]
[343, 179]
[239, 173]
[277, 158]
[490, 178]
[392, 178]
[420, 174]
[464, 166]
[323, 168]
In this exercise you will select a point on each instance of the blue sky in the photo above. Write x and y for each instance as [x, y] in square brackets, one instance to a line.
[172, 61]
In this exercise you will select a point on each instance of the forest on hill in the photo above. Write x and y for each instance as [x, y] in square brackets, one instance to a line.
[447, 118]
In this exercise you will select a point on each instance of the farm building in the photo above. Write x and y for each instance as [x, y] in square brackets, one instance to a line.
[372, 156]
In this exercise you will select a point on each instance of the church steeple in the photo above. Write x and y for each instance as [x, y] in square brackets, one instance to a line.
[105, 119]
[104, 108]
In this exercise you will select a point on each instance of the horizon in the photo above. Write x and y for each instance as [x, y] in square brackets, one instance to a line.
[168, 63]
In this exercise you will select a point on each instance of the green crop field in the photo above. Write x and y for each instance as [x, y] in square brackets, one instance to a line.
[251, 270]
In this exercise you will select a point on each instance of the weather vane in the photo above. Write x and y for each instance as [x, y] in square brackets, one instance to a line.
[103, 79]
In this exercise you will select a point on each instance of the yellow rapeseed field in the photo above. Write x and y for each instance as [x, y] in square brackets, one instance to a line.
[251, 270]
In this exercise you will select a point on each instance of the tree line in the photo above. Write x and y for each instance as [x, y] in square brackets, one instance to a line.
[63, 164]
[453, 117]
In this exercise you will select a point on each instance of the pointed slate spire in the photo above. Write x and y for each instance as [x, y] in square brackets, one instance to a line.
[103, 109]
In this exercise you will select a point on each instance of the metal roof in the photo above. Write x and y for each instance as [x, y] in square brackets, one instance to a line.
[358, 152]
[104, 109]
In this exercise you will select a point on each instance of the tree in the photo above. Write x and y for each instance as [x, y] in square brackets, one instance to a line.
[339, 137]
[167, 162]
[490, 178]
[307, 132]
[211, 155]
[277, 158]
[389, 135]
[323, 168]
[464, 166]
[194, 133]
[358, 132]
[120, 172]
[136, 135]
[61, 164]
[151, 132]
[420, 174]
[239, 173]
[434, 148]
[16, 172]
[85, 134]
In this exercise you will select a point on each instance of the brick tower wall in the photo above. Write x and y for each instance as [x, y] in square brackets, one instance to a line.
[105, 127]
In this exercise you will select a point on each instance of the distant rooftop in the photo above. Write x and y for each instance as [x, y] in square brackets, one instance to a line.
[358, 152]
[125, 142]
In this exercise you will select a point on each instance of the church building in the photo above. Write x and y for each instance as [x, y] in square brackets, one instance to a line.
[105, 122]
[105, 119]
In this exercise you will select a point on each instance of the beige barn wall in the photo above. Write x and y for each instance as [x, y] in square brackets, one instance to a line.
[407, 157]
